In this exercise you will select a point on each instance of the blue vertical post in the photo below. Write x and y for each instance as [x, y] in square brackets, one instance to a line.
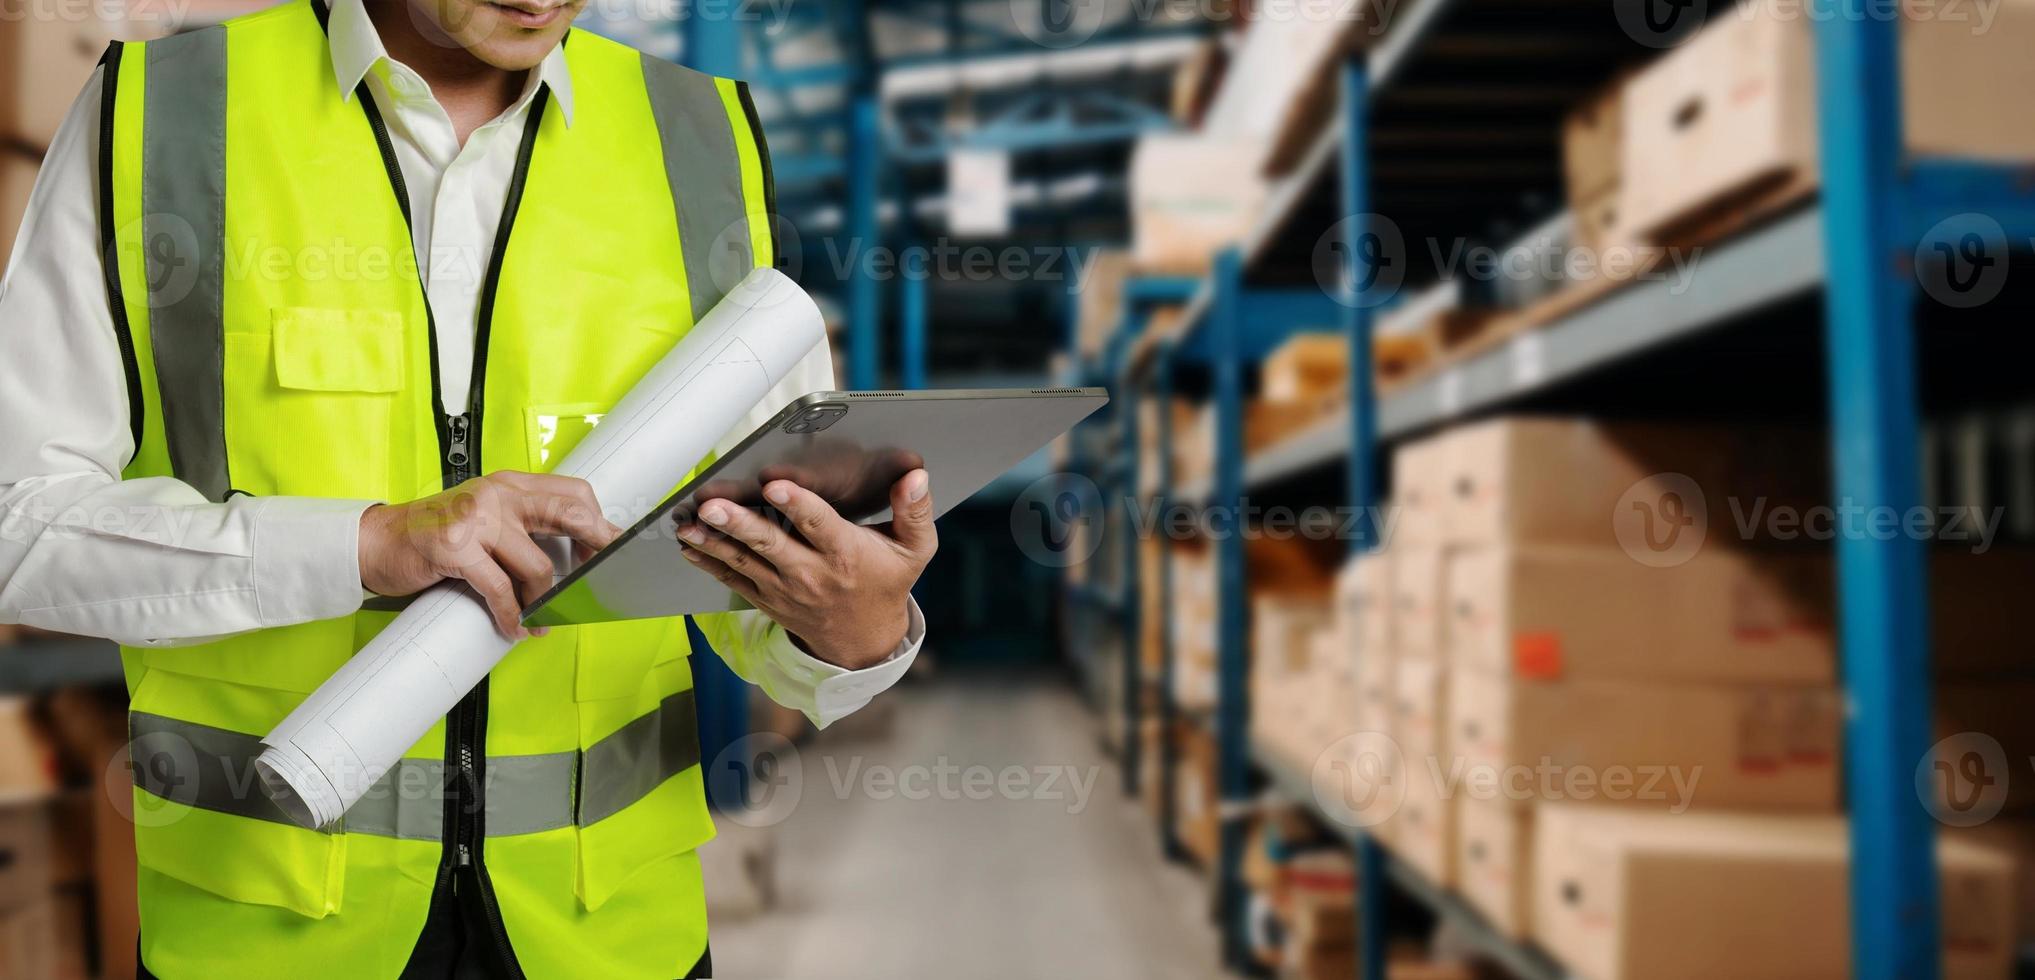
[913, 311]
[1232, 702]
[1123, 485]
[865, 237]
[1162, 389]
[1363, 464]
[1882, 587]
[713, 44]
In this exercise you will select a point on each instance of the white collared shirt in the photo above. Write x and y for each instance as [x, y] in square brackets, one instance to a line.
[151, 562]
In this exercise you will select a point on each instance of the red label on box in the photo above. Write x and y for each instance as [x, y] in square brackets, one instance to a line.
[1537, 655]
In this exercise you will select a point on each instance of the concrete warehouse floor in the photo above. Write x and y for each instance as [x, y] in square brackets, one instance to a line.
[1033, 883]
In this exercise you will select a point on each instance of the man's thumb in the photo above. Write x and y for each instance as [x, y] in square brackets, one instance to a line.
[911, 510]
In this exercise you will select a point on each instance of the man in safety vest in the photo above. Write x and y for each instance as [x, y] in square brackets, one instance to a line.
[304, 307]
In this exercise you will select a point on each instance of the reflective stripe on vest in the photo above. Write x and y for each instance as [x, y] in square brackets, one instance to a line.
[715, 161]
[183, 197]
[209, 768]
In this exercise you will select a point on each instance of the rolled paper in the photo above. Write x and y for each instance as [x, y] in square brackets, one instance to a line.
[349, 732]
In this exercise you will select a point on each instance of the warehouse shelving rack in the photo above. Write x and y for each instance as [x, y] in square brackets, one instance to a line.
[1852, 250]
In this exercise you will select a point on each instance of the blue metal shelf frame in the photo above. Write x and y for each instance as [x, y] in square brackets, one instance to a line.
[1140, 295]
[1361, 487]
[1882, 585]
[1225, 345]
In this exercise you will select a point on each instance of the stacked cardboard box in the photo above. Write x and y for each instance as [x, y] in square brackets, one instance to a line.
[1194, 624]
[1197, 799]
[1622, 893]
[1730, 115]
[1545, 651]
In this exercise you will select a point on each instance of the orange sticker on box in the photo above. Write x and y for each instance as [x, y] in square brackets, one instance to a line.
[1537, 655]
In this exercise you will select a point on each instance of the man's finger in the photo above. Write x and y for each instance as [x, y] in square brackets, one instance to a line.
[761, 535]
[500, 594]
[734, 554]
[734, 580]
[911, 515]
[527, 564]
[811, 516]
[572, 516]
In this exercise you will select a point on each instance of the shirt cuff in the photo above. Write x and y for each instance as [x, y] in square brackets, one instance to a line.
[838, 692]
[307, 559]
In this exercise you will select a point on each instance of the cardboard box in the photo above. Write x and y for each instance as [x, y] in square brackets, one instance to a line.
[1100, 308]
[1423, 829]
[1592, 139]
[17, 180]
[1269, 423]
[25, 844]
[1191, 196]
[2013, 839]
[1551, 612]
[1658, 746]
[1420, 705]
[1419, 493]
[1494, 862]
[1538, 479]
[28, 760]
[1417, 591]
[1308, 367]
[1363, 597]
[1732, 111]
[1622, 894]
[28, 941]
[1197, 801]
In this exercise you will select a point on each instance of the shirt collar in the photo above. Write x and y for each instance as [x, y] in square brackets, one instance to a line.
[357, 48]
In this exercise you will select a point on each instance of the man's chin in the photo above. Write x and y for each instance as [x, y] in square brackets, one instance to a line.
[515, 49]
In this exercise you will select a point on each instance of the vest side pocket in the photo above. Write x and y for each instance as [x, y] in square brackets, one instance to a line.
[187, 834]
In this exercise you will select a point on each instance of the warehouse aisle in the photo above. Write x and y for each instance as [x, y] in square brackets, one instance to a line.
[1030, 883]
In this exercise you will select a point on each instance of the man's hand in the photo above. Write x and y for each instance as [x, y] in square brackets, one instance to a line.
[841, 590]
[481, 532]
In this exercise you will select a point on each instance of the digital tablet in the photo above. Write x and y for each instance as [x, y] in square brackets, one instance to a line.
[850, 447]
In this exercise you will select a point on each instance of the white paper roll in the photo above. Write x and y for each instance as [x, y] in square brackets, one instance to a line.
[355, 726]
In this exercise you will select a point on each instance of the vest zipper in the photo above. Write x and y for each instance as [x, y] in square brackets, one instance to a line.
[466, 726]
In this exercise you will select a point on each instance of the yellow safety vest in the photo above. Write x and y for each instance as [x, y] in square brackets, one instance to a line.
[277, 342]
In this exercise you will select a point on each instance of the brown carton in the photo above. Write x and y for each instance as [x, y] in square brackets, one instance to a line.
[1420, 708]
[1591, 143]
[25, 844]
[1308, 367]
[1986, 739]
[1622, 894]
[1658, 746]
[1191, 197]
[1419, 493]
[1732, 112]
[1423, 829]
[1363, 597]
[1549, 612]
[1543, 479]
[1494, 862]
[1417, 592]
[29, 941]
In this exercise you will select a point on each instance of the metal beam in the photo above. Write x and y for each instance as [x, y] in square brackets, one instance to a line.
[1882, 580]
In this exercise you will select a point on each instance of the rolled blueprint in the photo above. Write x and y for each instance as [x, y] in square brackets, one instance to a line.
[358, 724]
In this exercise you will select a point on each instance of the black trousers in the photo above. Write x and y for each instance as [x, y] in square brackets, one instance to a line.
[703, 970]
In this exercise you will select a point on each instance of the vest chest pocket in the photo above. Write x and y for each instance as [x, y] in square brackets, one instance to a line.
[310, 403]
